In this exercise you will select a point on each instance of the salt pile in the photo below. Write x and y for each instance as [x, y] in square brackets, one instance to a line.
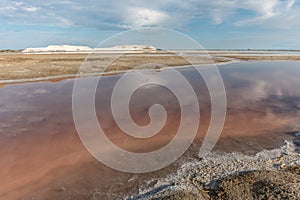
[58, 48]
[86, 49]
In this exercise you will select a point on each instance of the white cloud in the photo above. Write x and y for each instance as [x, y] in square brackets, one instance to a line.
[271, 13]
[264, 8]
[30, 8]
[14, 6]
[169, 13]
[290, 4]
[139, 17]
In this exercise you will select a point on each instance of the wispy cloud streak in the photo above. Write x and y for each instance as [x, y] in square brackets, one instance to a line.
[130, 14]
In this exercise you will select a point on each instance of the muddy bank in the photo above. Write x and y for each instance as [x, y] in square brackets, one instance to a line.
[273, 174]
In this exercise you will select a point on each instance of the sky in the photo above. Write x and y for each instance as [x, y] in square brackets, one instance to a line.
[215, 24]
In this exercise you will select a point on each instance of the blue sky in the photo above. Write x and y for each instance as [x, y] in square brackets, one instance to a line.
[235, 24]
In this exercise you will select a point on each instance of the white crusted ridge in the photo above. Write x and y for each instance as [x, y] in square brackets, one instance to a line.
[58, 48]
[85, 49]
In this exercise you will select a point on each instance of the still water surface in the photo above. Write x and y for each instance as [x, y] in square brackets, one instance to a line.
[40, 149]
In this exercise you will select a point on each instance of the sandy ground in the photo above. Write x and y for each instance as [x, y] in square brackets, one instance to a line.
[27, 66]
[19, 67]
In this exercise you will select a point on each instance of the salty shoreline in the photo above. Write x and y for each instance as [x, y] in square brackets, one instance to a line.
[21, 67]
[269, 174]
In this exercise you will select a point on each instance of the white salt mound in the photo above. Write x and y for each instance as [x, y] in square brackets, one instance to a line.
[86, 49]
[58, 48]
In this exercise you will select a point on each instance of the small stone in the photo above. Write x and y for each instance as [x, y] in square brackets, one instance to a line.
[283, 166]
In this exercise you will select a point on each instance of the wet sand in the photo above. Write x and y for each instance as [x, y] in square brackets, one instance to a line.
[43, 158]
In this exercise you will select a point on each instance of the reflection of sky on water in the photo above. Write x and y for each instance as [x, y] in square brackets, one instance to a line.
[249, 85]
[37, 129]
[274, 83]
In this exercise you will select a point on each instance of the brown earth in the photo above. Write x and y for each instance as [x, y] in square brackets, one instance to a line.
[17, 66]
[252, 185]
[28, 66]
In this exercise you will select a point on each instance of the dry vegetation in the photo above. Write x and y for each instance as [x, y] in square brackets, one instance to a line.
[26, 66]
[16, 66]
